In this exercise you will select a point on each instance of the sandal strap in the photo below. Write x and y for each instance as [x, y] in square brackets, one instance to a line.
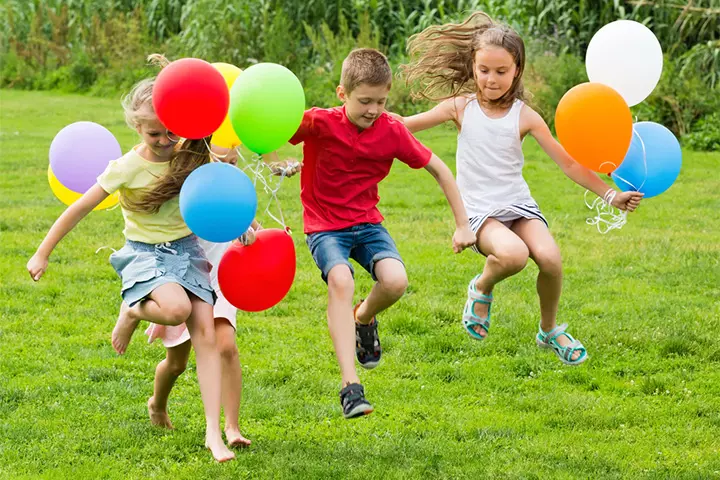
[352, 392]
[471, 321]
[479, 297]
[550, 336]
[569, 350]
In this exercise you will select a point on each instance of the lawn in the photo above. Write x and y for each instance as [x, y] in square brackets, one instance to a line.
[644, 300]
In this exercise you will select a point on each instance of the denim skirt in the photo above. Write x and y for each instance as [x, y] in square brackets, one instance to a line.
[143, 267]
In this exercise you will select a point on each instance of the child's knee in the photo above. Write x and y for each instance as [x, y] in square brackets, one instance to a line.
[203, 336]
[177, 313]
[176, 367]
[549, 261]
[340, 281]
[228, 351]
[395, 284]
[513, 258]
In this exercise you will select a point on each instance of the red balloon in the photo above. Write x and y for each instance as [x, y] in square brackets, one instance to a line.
[256, 277]
[191, 98]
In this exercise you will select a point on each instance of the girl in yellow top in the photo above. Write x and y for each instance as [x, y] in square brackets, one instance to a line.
[164, 271]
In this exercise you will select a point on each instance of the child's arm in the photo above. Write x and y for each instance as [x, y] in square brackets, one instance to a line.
[534, 124]
[62, 226]
[463, 237]
[442, 112]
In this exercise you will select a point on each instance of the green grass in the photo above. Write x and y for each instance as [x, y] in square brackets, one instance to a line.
[644, 300]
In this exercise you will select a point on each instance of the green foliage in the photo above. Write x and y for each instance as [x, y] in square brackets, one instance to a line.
[548, 77]
[705, 134]
[678, 102]
[101, 45]
[51, 48]
[328, 52]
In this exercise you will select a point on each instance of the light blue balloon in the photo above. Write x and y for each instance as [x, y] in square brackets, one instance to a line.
[654, 168]
[218, 202]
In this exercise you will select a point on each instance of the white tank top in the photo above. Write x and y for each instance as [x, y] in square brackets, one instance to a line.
[490, 161]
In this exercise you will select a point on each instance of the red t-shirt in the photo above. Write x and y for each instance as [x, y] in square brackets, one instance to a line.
[343, 166]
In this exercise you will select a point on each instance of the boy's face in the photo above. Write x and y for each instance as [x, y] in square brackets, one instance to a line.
[364, 104]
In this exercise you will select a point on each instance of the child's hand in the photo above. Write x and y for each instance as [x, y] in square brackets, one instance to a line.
[287, 168]
[225, 155]
[627, 200]
[36, 266]
[463, 238]
[247, 238]
[231, 157]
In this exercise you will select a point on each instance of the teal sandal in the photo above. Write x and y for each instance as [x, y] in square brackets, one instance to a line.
[469, 319]
[564, 353]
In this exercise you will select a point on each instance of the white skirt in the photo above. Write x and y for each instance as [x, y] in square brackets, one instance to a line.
[506, 215]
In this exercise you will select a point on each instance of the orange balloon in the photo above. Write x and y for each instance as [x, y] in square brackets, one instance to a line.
[594, 124]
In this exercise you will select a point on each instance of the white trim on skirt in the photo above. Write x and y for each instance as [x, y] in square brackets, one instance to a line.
[507, 215]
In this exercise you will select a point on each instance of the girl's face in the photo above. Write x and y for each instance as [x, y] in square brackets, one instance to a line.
[494, 69]
[154, 134]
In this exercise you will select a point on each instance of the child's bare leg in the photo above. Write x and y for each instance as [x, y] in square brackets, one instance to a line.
[341, 324]
[546, 254]
[390, 287]
[166, 373]
[168, 305]
[506, 254]
[202, 334]
[231, 381]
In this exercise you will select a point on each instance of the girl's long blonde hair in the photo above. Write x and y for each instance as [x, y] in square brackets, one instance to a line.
[190, 155]
[442, 58]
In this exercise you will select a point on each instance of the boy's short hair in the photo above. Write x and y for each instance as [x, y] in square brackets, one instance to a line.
[365, 65]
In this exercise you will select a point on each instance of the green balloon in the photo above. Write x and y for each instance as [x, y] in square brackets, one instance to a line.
[267, 103]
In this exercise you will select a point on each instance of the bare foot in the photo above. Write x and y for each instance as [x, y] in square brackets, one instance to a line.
[159, 418]
[218, 449]
[235, 438]
[124, 329]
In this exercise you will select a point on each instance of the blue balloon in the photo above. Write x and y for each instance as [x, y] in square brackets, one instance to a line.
[218, 202]
[652, 163]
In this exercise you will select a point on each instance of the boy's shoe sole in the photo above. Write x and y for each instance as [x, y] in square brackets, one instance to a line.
[359, 411]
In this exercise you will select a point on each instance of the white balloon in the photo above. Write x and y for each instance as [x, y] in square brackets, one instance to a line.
[626, 56]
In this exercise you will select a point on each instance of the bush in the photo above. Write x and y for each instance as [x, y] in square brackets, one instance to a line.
[677, 102]
[705, 134]
[548, 77]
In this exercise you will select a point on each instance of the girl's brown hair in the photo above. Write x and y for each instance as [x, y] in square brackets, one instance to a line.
[442, 58]
[190, 154]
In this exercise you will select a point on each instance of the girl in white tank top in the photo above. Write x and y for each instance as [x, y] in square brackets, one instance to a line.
[480, 63]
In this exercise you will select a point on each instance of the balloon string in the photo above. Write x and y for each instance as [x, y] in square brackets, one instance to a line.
[216, 157]
[612, 164]
[645, 168]
[261, 173]
[608, 217]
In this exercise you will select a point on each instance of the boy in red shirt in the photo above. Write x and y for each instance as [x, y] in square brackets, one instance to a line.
[347, 151]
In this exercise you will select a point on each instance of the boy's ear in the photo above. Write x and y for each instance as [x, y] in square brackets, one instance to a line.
[340, 91]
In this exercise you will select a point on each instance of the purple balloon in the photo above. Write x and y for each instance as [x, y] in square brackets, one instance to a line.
[80, 152]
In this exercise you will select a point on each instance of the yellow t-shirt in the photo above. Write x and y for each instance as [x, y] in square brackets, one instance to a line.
[132, 175]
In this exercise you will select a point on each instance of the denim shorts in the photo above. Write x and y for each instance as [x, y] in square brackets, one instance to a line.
[143, 267]
[367, 244]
